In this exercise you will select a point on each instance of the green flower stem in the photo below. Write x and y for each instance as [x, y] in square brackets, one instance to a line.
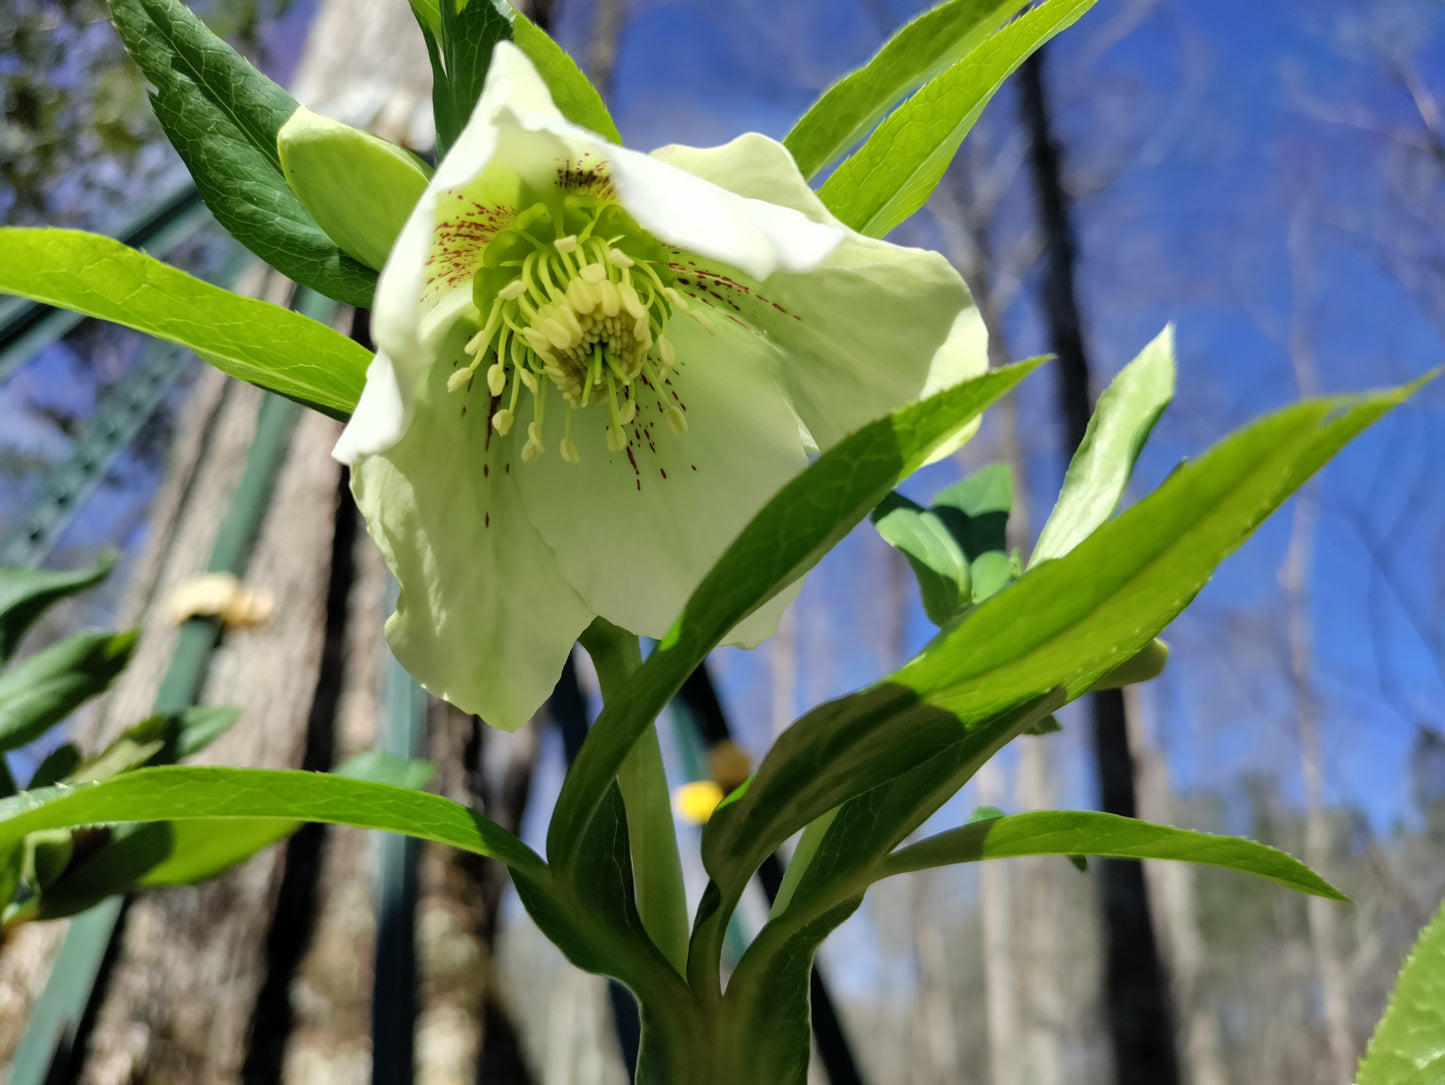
[651, 835]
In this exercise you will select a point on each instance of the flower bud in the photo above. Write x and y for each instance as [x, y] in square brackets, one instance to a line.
[358, 187]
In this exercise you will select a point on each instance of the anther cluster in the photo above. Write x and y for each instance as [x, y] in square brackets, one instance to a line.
[575, 297]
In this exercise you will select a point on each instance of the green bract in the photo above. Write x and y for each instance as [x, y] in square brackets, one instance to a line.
[594, 366]
[358, 187]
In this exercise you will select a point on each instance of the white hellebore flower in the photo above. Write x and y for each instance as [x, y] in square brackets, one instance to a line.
[594, 366]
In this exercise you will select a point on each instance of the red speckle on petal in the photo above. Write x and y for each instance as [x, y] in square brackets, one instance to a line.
[488, 521]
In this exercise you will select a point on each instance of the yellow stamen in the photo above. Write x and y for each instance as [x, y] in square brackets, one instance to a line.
[502, 421]
[676, 421]
[496, 379]
[610, 299]
[459, 378]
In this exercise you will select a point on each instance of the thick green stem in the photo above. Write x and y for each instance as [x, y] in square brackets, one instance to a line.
[642, 779]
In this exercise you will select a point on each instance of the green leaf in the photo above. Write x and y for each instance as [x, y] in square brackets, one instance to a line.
[837, 750]
[844, 848]
[149, 856]
[975, 511]
[193, 730]
[936, 560]
[1017, 657]
[1109, 836]
[1408, 1047]
[598, 925]
[50, 685]
[460, 42]
[469, 30]
[892, 175]
[1100, 469]
[1070, 621]
[919, 51]
[787, 538]
[387, 768]
[222, 116]
[25, 594]
[157, 740]
[186, 793]
[253, 340]
[573, 92]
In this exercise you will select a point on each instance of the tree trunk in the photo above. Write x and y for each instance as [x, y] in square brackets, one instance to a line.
[1136, 992]
[1171, 887]
[1295, 582]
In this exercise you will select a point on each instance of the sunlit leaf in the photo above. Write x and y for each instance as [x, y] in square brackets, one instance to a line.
[922, 49]
[253, 340]
[185, 793]
[1088, 832]
[1099, 471]
[892, 175]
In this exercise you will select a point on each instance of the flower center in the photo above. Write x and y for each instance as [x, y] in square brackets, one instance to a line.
[574, 295]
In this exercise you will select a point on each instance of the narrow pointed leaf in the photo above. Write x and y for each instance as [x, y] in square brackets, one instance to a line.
[1042, 641]
[571, 90]
[185, 793]
[787, 538]
[922, 49]
[460, 36]
[252, 340]
[935, 558]
[1109, 836]
[1099, 471]
[25, 594]
[222, 116]
[1106, 599]
[892, 175]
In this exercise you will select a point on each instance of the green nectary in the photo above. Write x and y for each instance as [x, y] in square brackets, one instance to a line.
[574, 294]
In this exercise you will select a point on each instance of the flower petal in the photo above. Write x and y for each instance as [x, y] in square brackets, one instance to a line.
[427, 281]
[635, 531]
[380, 418]
[675, 205]
[484, 620]
[874, 327]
